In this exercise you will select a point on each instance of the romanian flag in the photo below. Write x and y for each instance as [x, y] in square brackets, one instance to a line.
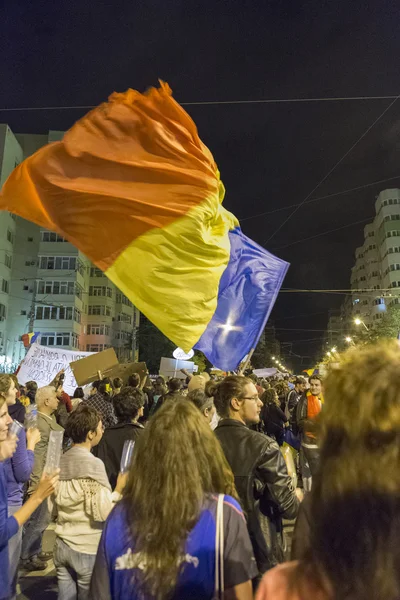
[311, 372]
[135, 189]
[29, 338]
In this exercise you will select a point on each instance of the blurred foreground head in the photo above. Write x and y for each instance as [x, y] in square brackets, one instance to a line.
[176, 463]
[356, 500]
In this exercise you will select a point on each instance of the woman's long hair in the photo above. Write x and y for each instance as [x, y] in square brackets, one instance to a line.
[355, 527]
[270, 396]
[177, 462]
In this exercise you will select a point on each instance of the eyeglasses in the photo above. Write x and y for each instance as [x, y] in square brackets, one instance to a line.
[254, 398]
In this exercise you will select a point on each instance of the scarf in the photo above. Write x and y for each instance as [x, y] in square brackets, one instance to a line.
[78, 463]
[313, 409]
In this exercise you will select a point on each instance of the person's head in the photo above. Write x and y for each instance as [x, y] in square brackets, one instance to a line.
[95, 388]
[16, 383]
[8, 391]
[5, 419]
[236, 398]
[179, 451]
[128, 405]
[198, 382]
[46, 399]
[134, 380]
[104, 389]
[265, 384]
[31, 386]
[300, 384]
[174, 385]
[117, 383]
[84, 426]
[356, 497]
[315, 385]
[203, 402]
[78, 393]
[281, 388]
[270, 397]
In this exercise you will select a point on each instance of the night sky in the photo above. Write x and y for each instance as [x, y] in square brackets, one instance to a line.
[69, 53]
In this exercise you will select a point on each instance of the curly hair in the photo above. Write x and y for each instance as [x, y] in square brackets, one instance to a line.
[128, 403]
[178, 450]
[356, 497]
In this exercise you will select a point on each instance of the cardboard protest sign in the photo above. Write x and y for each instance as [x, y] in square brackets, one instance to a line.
[106, 362]
[87, 369]
[42, 363]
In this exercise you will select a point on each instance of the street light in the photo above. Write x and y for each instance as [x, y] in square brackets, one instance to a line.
[358, 321]
[333, 349]
[348, 339]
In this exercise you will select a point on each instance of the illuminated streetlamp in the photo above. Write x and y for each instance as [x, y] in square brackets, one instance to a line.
[358, 321]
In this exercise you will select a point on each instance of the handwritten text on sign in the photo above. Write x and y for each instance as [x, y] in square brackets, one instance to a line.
[42, 364]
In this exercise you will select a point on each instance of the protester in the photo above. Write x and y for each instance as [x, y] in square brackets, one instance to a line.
[32, 557]
[83, 501]
[273, 419]
[264, 486]
[128, 406]
[17, 470]
[160, 389]
[308, 409]
[101, 401]
[77, 398]
[204, 403]
[282, 389]
[16, 409]
[174, 385]
[292, 401]
[31, 389]
[23, 398]
[117, 383]
[352, 549]
[134, 380]
[168, 551]
[10, 525]
[65, 406]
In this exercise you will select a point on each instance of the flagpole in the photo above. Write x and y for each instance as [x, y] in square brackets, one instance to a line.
[246, 362]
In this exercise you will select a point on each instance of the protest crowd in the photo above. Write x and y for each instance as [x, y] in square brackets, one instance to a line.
[216, 465]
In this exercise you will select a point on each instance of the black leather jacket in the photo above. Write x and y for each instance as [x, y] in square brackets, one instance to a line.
[264, 487]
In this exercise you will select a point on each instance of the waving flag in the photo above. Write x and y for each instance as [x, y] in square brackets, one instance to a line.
[135, 189]
[29, 338]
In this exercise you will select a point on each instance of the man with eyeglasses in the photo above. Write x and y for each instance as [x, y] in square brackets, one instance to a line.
[261, 478]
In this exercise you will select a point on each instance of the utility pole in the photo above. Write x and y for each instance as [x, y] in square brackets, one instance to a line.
[134, 332]
[31, 321]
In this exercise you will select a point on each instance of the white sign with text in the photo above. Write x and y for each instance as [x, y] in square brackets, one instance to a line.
[42, 363]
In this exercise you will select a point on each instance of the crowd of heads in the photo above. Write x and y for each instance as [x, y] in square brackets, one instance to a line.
[356, 496]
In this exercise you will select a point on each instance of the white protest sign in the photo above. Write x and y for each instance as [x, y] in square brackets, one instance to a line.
[265, 372]
[42, 363]
[171, 367]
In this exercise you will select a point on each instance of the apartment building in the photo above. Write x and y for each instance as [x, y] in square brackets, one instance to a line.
[48, 286]
[375, 276]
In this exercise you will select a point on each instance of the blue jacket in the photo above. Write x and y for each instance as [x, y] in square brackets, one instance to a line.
[18, 469]
[8, 528]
